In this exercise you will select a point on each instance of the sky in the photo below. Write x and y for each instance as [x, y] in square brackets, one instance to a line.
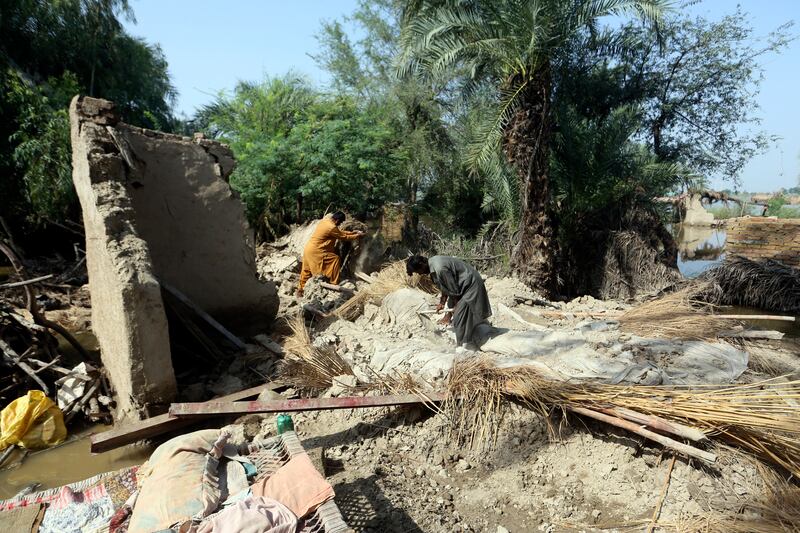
[212, 44]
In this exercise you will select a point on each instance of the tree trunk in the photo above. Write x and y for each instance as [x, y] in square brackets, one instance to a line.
[526, 145]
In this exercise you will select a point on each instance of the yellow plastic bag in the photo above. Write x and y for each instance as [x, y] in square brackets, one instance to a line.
[32, 421]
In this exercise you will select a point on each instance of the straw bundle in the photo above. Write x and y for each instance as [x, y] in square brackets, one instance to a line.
[307, 366]
[388, 280]
[675, 316]
[766, 284]
[761, 418]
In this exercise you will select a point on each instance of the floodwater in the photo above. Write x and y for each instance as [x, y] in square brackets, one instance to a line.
[67, 463]
[699, 248]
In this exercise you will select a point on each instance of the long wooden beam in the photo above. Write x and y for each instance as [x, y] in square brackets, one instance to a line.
[189, 410]
[233, 339]
[158, 425]
[25, 282]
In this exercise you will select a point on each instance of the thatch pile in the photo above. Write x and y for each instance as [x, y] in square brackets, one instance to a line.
[765, 284]
[761, 418]
[678, 315]
[633, 266]
[388, 280]
[306, 366]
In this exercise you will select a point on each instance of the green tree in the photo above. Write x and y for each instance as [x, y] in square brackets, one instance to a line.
[50, 51]
[365, 68]
[512, 43]
[697, 81]
[301, 152]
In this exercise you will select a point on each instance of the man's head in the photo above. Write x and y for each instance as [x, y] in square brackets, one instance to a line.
[417, 264]
[338, 217]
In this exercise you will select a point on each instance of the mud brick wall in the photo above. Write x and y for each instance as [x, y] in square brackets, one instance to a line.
[765, 238]
[158, 207]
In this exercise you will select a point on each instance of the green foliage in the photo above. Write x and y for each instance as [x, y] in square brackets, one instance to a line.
[365, 68]
[697, 81]
[42, 153]
[300, 152]
[775, 204]
[50, 51]
[723, 212]
[505, 44]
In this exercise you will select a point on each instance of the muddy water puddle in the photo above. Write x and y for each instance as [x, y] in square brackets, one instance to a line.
[699, 248]
[67, 463]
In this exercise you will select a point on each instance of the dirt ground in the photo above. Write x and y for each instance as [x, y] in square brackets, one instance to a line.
[402, 470]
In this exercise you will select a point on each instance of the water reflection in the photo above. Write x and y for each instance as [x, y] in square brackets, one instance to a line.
[699, 248]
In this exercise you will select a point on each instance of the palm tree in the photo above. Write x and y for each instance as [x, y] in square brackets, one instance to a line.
[511, 43]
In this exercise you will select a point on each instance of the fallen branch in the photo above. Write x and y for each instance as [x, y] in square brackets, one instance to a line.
[634, 428]
[657, 423]
[25, 282]
[12, 357]
[33, 307]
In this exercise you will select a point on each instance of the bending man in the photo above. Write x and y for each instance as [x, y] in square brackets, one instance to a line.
[462, 287]
[319, 255]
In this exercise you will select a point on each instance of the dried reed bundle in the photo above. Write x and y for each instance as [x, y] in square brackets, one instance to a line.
[307, 366]
[761, 418]
[675, 316]
[388, 280]
[766, 284]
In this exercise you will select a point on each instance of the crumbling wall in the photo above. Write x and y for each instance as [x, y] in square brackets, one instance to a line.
[158, 207]
[128, 315]
[195, 226]
[696, 214]
[765, 238]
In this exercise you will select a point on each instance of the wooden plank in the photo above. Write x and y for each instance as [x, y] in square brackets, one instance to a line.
[25, 282]
[186, 410]
[158, 425]
[236, 341]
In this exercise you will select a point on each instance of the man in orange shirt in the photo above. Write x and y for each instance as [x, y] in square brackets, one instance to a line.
[319, 255]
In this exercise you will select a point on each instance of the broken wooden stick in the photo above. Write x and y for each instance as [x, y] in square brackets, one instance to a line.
[84, 399]
[33, 307]
[301, 404]
[25, 282]
[639, 430]
[758, 317]
[364, 277]
[158, 425]
[314, 311]
[12, 357]
[336, 288]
